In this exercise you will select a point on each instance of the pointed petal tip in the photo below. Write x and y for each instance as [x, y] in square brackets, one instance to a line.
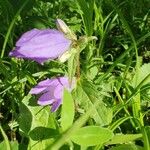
[45, 102]
[56, 105]
[10, 54]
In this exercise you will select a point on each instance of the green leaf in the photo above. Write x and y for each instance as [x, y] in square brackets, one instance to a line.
[127, 147]
[13, 145]
[87, 95]
[146, 137]
[119, 122]
[142, 73]
[92, 135]
[147, 128]
[118, 139]
[6, 142]
[35, 120]
[85, 9]
[68, 110]
[36, 22]
[3, 145]
[72, 63]
[25, 119]
[43, 133]
[93, 72]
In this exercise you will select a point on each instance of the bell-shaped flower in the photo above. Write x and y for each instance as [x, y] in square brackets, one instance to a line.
[51, 91]
[41, 45]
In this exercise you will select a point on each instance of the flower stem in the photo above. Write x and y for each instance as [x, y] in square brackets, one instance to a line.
[78, 65]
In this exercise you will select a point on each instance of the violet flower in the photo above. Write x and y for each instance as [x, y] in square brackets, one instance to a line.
[51, 91]
[41, 45]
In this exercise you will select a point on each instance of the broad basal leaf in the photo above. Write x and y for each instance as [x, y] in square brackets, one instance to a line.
[36, 123]
[92, 135]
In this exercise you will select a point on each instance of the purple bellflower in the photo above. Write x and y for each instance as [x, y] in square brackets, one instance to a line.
[41, 45]
[51, 91]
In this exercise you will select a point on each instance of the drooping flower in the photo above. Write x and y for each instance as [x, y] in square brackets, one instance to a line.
[51, 91]
[41, 45]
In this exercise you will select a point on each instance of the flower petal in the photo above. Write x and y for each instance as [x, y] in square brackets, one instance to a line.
[56, 105]
[16, 53]
[46, 82]
[52, 91]
[41, 45]
[42, 86]
[58, 92]
[26, 37]
[46, 99]
[37, 90]
[65, 82]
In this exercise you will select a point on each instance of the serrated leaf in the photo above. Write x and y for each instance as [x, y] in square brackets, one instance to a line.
[68, 110]
[92, 135]
[72, 63]
[87, 95]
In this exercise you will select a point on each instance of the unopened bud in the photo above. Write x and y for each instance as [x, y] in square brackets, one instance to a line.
[61, 26]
